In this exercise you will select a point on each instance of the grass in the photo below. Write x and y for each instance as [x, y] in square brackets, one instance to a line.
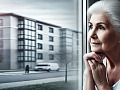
[61, 85]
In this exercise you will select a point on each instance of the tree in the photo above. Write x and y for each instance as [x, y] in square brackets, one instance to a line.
[64, 57]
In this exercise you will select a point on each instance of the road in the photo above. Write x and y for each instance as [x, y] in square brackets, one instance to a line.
[16, 77]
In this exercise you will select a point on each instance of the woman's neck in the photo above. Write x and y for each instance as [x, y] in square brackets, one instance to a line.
[113, 57]
[113, 66]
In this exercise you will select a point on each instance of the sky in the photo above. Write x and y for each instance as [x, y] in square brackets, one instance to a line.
[59, 12]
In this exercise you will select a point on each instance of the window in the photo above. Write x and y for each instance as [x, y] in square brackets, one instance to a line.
[39, 46]
[51, 30]
[51, 48]
[1, 33]
[40, 37]
[1, 22]
[51, 39]
[51, 57]
[40, 56]
[1, 43]
[29, 24]
[39, 27]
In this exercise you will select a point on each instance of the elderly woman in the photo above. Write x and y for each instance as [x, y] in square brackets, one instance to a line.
[104, 38]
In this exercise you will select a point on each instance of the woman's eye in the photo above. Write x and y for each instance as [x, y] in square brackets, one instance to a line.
[90, 27]
[101, 27]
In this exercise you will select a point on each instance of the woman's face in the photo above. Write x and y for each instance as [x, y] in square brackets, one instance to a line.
[102, 36]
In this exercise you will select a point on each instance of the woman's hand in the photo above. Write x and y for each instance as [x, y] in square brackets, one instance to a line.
[99, 75]
[89, 82]
[92, 55]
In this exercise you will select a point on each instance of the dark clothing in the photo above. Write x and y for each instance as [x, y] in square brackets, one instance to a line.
[27, 69]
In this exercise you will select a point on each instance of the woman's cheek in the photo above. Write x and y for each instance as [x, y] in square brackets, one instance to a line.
[89, 36]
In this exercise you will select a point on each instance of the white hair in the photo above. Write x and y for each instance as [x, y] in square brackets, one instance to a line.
[111, 8]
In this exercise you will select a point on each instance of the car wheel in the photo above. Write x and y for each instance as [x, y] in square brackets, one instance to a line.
[58, 69]
[49, 70]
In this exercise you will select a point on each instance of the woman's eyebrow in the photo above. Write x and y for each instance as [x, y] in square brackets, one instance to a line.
[89, 22]
[99, 23]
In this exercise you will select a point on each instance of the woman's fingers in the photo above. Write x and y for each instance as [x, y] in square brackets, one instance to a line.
[93, 55]
[93, 64]
[98, 72]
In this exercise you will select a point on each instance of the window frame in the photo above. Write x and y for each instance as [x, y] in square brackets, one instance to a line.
[40, 46]
[51, 30]
[51, 48]
[51, 38]
[40, 27]
[51, 57]
[40, 36]
[40, 56]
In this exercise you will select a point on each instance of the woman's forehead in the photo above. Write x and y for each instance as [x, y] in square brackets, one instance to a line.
[99, 17]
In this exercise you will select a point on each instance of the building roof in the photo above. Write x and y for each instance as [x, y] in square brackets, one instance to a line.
[20, 16]
[70, 30]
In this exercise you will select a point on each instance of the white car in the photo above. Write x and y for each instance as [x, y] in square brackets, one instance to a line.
[47, 66]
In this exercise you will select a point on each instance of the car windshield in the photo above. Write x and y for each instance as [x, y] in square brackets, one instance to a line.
[43, 65]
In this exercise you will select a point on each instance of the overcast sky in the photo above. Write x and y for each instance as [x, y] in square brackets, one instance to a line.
[58, 12]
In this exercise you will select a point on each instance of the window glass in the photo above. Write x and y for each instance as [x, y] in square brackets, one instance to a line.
[33, 54]
[26, 42]
[51, 39]
[51, 48]
[51, 57]
[69, 33]
[39, 27]
[39, 46]
[26, 22]
[40, 56]
[33, 24]
[33, 33]
[51, 30]
[40, 37]
[33, 43]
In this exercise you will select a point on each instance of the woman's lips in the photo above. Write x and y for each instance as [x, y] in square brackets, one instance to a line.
[95, 43]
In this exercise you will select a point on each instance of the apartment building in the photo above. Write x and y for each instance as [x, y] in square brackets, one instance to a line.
[26, 41]
[69, 44]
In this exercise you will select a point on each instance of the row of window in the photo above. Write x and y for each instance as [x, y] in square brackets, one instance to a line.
[27, 53]
[32, 46]
[28, 24]
[29, 58]
[21, 47]
[26, 42]
[40, 27]
[51, 47]
[40, 37]
[40, 56]
[26, 36]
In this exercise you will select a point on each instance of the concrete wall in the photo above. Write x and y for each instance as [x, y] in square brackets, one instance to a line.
[45, 32]
[9, 38]
[5, 63]
[13, 42]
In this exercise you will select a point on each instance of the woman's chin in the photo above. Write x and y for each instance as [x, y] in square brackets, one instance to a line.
[95, 50]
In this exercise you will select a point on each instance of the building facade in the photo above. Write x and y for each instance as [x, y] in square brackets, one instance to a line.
[25, 41]
[69, 44]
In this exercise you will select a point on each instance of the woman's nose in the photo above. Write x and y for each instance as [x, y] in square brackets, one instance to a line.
[93, 34]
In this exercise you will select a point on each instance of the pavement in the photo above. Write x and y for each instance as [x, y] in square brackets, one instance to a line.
[31, 82]
[19, 72]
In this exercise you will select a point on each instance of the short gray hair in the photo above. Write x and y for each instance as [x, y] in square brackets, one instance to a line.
[111, 8]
